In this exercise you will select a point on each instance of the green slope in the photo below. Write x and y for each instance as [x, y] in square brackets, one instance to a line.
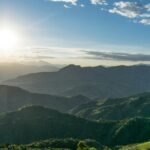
[141, 146]
[37, 123]
[115, 109]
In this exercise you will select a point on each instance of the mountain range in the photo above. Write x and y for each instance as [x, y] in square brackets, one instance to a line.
[77, 102]
[13, 70]
[12, 98]
[93, 82]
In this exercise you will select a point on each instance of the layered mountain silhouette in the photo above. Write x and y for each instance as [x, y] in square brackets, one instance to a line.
[30, 111]
[12, 98]
[36, 123]
[115, 109]
[93, 82]
[13, 70]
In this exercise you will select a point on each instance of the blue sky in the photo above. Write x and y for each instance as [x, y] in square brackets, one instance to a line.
[83, 31]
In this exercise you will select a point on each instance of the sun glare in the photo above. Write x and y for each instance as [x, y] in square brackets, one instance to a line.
[9, 39]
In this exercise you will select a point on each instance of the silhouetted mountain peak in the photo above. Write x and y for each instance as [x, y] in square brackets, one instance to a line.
[71, 68]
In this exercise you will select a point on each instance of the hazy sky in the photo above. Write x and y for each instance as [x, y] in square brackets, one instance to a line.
[87, 32]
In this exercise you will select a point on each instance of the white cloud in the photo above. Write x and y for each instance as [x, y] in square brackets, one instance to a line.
[145, 15]
[66, 6]
[147, 6]
[99, 2]
[82, 5]
[140, 13]
[135, 10]
[145, 21]
[126, 9]
[73, 2]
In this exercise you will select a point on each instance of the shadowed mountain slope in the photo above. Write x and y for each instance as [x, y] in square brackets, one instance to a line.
[12, 98]
[37, 123]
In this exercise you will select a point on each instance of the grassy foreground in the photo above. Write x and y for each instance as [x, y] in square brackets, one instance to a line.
[72, 144]
[142, 146]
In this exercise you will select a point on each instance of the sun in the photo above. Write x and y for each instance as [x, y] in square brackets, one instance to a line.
[9, 39]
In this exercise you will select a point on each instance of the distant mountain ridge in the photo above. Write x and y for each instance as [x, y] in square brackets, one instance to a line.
[13, 70]
[115, 109]
[94, 82]
[12, 98]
